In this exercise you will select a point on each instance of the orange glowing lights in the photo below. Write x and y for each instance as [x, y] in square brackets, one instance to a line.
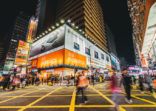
[61, 57]
[22, 53]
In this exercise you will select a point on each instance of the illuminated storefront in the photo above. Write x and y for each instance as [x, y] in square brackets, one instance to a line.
[64, 50]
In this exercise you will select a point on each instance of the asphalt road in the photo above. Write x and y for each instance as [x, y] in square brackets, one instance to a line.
[62, 98]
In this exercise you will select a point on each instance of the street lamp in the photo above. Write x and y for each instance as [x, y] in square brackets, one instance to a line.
[43, 34]
[53, 27]
[73, 24]
[57, 24]
[62, 21]
[80, 30]
[46, 32]
[69, 21]
[49, 29]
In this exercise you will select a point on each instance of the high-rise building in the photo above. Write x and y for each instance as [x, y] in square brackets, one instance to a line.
[45, 13]
[110, 40]
[2, 52]
[139, 13]
[112, 48]
[19, 32]
[87, 15]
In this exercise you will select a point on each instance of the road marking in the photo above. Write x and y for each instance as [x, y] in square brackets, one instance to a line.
[137, 106]
[72, 103]
[105, 97]
[17, 96]
[121, 108]
[144, 100]
[10, 107]
[55, 106]
[27, 106]
[141, 99]
[94, 106]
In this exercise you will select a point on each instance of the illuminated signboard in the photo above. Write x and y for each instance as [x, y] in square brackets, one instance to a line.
[61, 57]
[22, 53]
[32, 29]
[75, 59]
[50, 60]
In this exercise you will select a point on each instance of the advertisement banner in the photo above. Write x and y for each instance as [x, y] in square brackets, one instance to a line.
[59, 58]
[49, 42]
[22, 53]
[75, 59]
[50, 60]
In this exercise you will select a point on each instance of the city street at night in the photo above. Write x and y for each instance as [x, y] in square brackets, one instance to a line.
[61, 98]
[78, 55]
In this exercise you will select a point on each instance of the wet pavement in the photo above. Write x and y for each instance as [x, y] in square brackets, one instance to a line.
[62, 98]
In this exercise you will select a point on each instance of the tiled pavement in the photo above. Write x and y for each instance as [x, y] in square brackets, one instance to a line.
[62, 98]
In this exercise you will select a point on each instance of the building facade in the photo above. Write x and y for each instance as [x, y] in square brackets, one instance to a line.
[2, 55]
[63, 50]
[115, 62]
[137, 14]
[86, 15]
[19, 32]
[143, 26]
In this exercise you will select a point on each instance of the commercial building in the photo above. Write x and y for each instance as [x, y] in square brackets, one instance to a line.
[142, 15]
[45, 14]
[86, 15]
[19, 32]
[115, 62]
[137, 14]
[110, 40]
[2, 55]
[149, 44]
[64, 50]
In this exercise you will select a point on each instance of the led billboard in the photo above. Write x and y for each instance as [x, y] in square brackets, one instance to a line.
[49, 42]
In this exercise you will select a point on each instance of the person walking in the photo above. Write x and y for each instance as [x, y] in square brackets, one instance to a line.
[72, 80]
[141, 80]
[93, 79]
[148, 81]
[115, 89]
[127, 85]
[52, 79]
[6, 82]
[81, 84]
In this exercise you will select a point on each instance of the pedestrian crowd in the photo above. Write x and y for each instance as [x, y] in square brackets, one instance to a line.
[11, 82]
[117, 83]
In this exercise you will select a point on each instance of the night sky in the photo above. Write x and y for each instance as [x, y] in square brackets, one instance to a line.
[115, 14]
[117, 17]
